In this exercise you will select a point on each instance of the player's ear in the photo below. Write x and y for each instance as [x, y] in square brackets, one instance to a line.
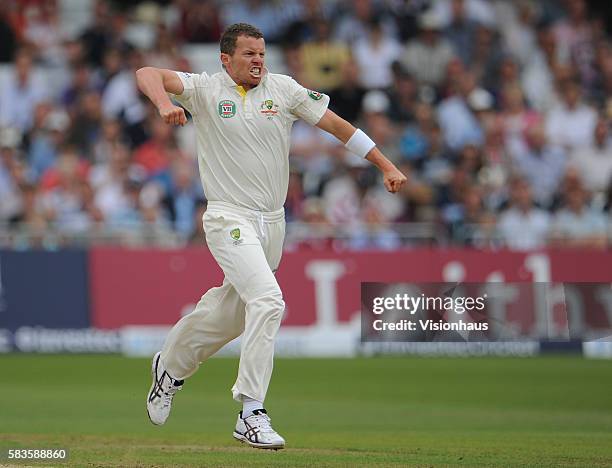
[225, 58]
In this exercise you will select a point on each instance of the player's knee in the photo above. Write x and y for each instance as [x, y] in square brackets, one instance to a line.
[272, 305]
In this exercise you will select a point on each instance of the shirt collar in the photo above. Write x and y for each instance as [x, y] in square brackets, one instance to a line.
[230, 83]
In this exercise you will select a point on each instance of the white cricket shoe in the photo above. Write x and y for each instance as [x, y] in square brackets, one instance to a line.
[257, 431]
[163, 388]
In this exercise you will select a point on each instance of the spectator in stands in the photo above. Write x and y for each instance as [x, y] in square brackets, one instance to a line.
[120, 99]
[63, 201]
[375, 53]
[156, 154]
[497, 165]
[450, 195]
[10, 195]
[295, 196]
[572, 122]
[414, 143]
[8, 36]
[515, 117]
[183, 196]
[86, 123]
[199, 21]
[427, 56]
[470, 159]
[303, 27]
[576, 224]
[601, 88]
[165, 52]
[486, 56]
[403, 95]
[508, 74]
[519, 30]
[436, 168]
[314, 232]
[46, 138]
[20, 92]
[346, 99]
[574, 37]
[594, 163]
[459, 122]
[42, 31]
[30, 221]
[81, 82]
[373, 232]
[341, 195]
[107, 31]
[109, 179]
[461, 31]
[537, 78]
[267, 16]
[324, 59]
[110, 138]
[540, 163]
[466, 228]
[294, 61]
[523, 226]
[375, 118]
[354, 23]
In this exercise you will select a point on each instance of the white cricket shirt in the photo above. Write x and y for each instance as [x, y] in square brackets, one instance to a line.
[243, 138]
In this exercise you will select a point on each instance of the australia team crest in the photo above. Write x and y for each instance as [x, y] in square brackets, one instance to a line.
[268, 109]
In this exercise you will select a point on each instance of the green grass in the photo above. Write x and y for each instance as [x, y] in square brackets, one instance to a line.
[553, 411]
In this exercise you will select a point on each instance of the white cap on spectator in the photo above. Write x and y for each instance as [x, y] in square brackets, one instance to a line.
[375, 101]
[480, 100]
[430, 21]
[9, 137]
[148, 12]
[57, 120]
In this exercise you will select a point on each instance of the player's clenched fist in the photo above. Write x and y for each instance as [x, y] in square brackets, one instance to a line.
[173, 115]
[394, 180]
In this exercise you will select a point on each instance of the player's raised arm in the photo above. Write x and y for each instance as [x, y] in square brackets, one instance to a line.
[357, 142]
[155, 83]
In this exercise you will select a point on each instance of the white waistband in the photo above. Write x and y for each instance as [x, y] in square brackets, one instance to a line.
[265, 216]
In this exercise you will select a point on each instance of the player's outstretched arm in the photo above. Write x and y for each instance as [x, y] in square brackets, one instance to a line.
[360, 144]
[155, 83]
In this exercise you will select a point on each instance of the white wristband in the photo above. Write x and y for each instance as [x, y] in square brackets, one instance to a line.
[359, 144]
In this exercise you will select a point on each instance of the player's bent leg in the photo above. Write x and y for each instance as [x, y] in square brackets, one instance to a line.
[217, 319]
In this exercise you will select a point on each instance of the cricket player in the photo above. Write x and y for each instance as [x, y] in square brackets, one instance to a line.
[243, 116]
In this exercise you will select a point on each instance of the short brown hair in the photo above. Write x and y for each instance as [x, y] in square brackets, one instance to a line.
[227, 43]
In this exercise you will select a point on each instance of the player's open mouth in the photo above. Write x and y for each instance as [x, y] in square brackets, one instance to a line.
[255, 72]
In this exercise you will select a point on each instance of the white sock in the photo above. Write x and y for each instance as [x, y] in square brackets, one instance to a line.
[249, 405]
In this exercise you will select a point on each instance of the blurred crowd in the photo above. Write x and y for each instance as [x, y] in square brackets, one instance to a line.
[499, 113]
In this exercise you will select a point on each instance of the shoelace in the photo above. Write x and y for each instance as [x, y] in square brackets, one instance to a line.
[168, 395]
[262, 422]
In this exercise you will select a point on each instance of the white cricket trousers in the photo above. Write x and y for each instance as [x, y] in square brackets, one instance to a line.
[247, 245]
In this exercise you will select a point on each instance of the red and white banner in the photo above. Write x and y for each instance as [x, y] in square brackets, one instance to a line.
[144, 292]
[155, 287]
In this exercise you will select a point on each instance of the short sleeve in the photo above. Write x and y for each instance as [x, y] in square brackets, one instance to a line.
[192, 96]
[306, 104]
